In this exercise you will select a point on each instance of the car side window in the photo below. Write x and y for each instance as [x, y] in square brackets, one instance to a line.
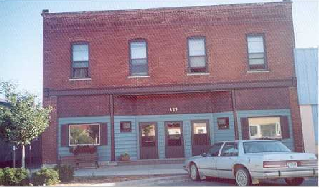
[229, 149]
[214, 150]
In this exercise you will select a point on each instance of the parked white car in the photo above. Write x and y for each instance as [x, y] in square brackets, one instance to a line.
[248, 161]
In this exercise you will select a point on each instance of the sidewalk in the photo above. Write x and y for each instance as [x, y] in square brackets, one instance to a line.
[177, 179]
[129, 170]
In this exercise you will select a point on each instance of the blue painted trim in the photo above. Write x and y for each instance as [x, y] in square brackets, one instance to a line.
[126, 141]
[129, 142]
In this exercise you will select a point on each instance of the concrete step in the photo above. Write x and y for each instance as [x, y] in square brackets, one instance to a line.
[152, 161]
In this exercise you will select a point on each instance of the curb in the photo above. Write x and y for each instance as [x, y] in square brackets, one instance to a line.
[128, 175]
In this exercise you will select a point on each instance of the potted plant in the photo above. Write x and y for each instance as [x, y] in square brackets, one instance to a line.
[125, 157]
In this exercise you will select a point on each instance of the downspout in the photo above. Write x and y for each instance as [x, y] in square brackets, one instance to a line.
[234, 114]
[112, 128]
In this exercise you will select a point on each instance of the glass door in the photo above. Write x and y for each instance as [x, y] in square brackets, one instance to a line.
[200, 137]
[148, 141]
[174, 140]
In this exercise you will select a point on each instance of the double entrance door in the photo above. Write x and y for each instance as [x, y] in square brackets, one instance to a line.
[174, 141]
[174, 147]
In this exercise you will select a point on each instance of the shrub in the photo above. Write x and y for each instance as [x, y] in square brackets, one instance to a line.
[1, 177]
[15, 176]
[66, 173]
[45, 176]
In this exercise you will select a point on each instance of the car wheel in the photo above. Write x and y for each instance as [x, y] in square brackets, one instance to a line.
[242, 177]
[294, 181]
[193, 172]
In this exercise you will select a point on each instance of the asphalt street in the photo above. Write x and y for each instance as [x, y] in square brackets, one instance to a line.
[183, 180]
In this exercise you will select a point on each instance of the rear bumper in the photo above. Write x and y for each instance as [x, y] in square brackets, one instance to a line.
[275, 174]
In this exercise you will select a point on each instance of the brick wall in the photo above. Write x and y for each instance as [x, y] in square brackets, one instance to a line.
[78, 106]
[296, 119]
[186, 103]
[166, 31]
[49, 137]
[262, 99]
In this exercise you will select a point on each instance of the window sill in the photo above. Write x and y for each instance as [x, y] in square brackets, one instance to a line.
[71, 145]
[256, 71]
[79, 79]
[198, 74]
[138, 76]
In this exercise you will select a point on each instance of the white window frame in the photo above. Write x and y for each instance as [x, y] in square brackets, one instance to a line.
[139, 74]
[85, 144]
[265, 65]
[72, 60]
[194, 38]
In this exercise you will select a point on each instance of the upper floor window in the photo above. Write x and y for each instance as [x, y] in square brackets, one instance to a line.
[256, 52]
[197, 55]
[80, 61]
[138, 55]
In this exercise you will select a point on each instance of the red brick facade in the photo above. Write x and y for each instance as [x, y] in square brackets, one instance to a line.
[262, 98]
[166, 31]
[92, 105]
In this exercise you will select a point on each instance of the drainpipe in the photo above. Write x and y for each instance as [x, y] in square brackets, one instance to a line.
[112, 128]
[234, 114]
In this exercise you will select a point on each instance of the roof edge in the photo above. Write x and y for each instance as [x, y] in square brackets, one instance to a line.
[46, 12]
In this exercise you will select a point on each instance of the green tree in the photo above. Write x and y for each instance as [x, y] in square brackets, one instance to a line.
[24, 120]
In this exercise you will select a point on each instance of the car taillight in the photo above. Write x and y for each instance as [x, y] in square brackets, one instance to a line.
[308, 163]
[274, 164]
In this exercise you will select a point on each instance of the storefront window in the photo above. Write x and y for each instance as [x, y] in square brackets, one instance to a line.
[264, 127]
[84, 134]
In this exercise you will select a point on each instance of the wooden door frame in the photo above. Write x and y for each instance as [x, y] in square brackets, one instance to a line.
[182, 135]
[207, 129]
[140, 136]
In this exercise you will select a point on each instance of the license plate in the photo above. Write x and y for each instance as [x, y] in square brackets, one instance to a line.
[292, 165]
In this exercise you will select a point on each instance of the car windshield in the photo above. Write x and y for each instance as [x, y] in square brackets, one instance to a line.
[264, 146]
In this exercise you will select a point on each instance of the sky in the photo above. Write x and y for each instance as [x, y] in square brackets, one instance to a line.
[21, 30]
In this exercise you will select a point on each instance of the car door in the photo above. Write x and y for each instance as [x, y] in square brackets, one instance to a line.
[207, 165]
[226, 160]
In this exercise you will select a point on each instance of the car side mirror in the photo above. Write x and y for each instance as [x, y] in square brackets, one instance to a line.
[204, 154]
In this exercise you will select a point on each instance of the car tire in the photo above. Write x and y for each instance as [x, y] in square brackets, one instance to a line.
[294, 181]
[242, 177]
[193, 172]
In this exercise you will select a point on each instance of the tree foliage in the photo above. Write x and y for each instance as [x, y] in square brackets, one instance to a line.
[25, 119]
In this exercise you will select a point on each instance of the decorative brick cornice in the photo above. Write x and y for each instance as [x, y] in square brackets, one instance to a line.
[233, 14]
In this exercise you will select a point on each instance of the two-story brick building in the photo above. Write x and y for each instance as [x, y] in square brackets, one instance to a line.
[169, 82]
